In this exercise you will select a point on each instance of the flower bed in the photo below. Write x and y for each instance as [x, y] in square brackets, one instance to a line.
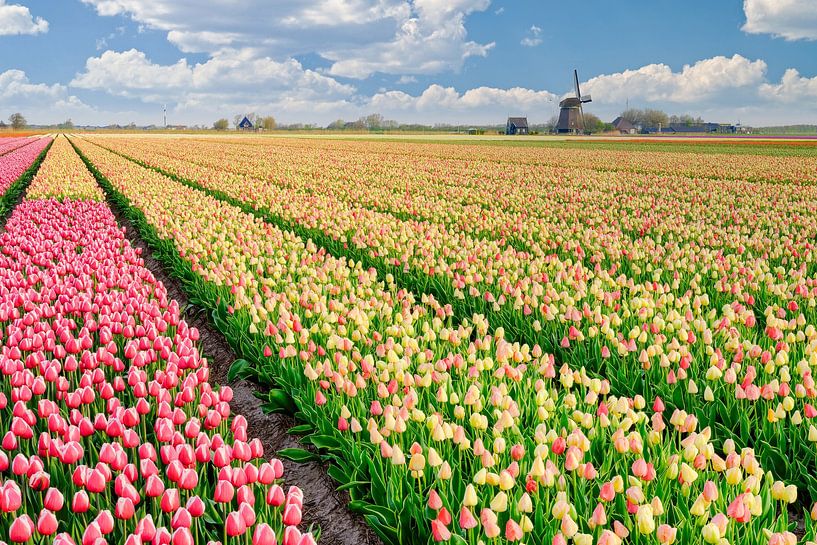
[111, 431]
[440, 429]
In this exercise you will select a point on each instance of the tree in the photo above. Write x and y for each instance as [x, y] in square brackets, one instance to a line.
[592, 123]
[550, 124]
[222, 124]
[267, 123]
[373, 121]
[17, 121]
[686, 119]
[646, 118]
[654, 118]
[66, 125]
[336, 125]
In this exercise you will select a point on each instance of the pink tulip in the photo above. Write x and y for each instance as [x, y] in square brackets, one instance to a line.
[47, 523]
[21, 529]
[80, 503]
[235, 525]
[182, 536]
[264, 535]
[439, 531]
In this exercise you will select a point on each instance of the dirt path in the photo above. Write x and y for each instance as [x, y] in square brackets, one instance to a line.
[323, 505]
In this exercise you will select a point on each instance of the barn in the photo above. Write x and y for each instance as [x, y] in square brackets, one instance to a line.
[246, 124]
[623, 126]
[517, 125]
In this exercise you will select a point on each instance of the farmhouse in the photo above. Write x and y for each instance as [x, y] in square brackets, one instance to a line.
[246, 124]
[517, 125]
[623, 126]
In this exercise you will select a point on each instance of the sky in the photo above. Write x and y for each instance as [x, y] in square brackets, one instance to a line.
[430, 61]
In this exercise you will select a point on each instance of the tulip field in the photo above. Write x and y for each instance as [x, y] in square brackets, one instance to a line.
[111, 431]
[484, 344]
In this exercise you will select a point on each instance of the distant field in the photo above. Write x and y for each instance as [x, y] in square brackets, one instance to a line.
[734, 145]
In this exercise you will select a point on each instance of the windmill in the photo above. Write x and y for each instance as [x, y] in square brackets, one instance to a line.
[571, 116]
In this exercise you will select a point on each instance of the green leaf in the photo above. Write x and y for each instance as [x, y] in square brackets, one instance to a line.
[366, 508]
[298, 455]
[239, 369]
[387, 533]
[300, 429]
[353, 484]
[278, 401]
[325, 442]
[338, 473]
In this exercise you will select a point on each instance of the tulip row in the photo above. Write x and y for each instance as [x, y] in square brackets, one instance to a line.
[12, 143]
[15, 163]
[448, 432]
[64, 176]
[697, 300]
[111, 432]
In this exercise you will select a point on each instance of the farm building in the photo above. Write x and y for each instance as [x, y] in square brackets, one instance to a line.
[246, 124]
[623, 126]
[517, 125]
[692, 128]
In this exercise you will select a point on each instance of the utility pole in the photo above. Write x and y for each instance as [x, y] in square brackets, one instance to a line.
[164, 112]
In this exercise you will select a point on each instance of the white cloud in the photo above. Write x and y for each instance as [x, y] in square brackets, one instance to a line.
[17, 19]
[39, 102]
[705, 79]
[789, 19]
[229, 77]
[532, 39]
[792, 88]
[478, 105]
[360, 37]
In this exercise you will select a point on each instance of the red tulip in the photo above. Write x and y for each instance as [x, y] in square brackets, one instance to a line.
[264, 535]
[10, 497]
[235, 525]
[21, 529]
[275, 496]
[154, 487]
[80, 503]
[181, 519]
[292, 536]
[224, 492]
[247, 513]
[124, 509]
[54, 500]
[170, 500]
[195, 506]
[105, 521]
[91, 534]
[292, 515]
[145, 528]
[46, 523]
[182, 536]
[96, 481]
[439, 531]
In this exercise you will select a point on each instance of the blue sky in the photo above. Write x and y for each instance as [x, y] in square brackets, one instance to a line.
[457, 61]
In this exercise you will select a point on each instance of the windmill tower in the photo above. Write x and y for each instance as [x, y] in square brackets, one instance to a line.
[571, 116]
